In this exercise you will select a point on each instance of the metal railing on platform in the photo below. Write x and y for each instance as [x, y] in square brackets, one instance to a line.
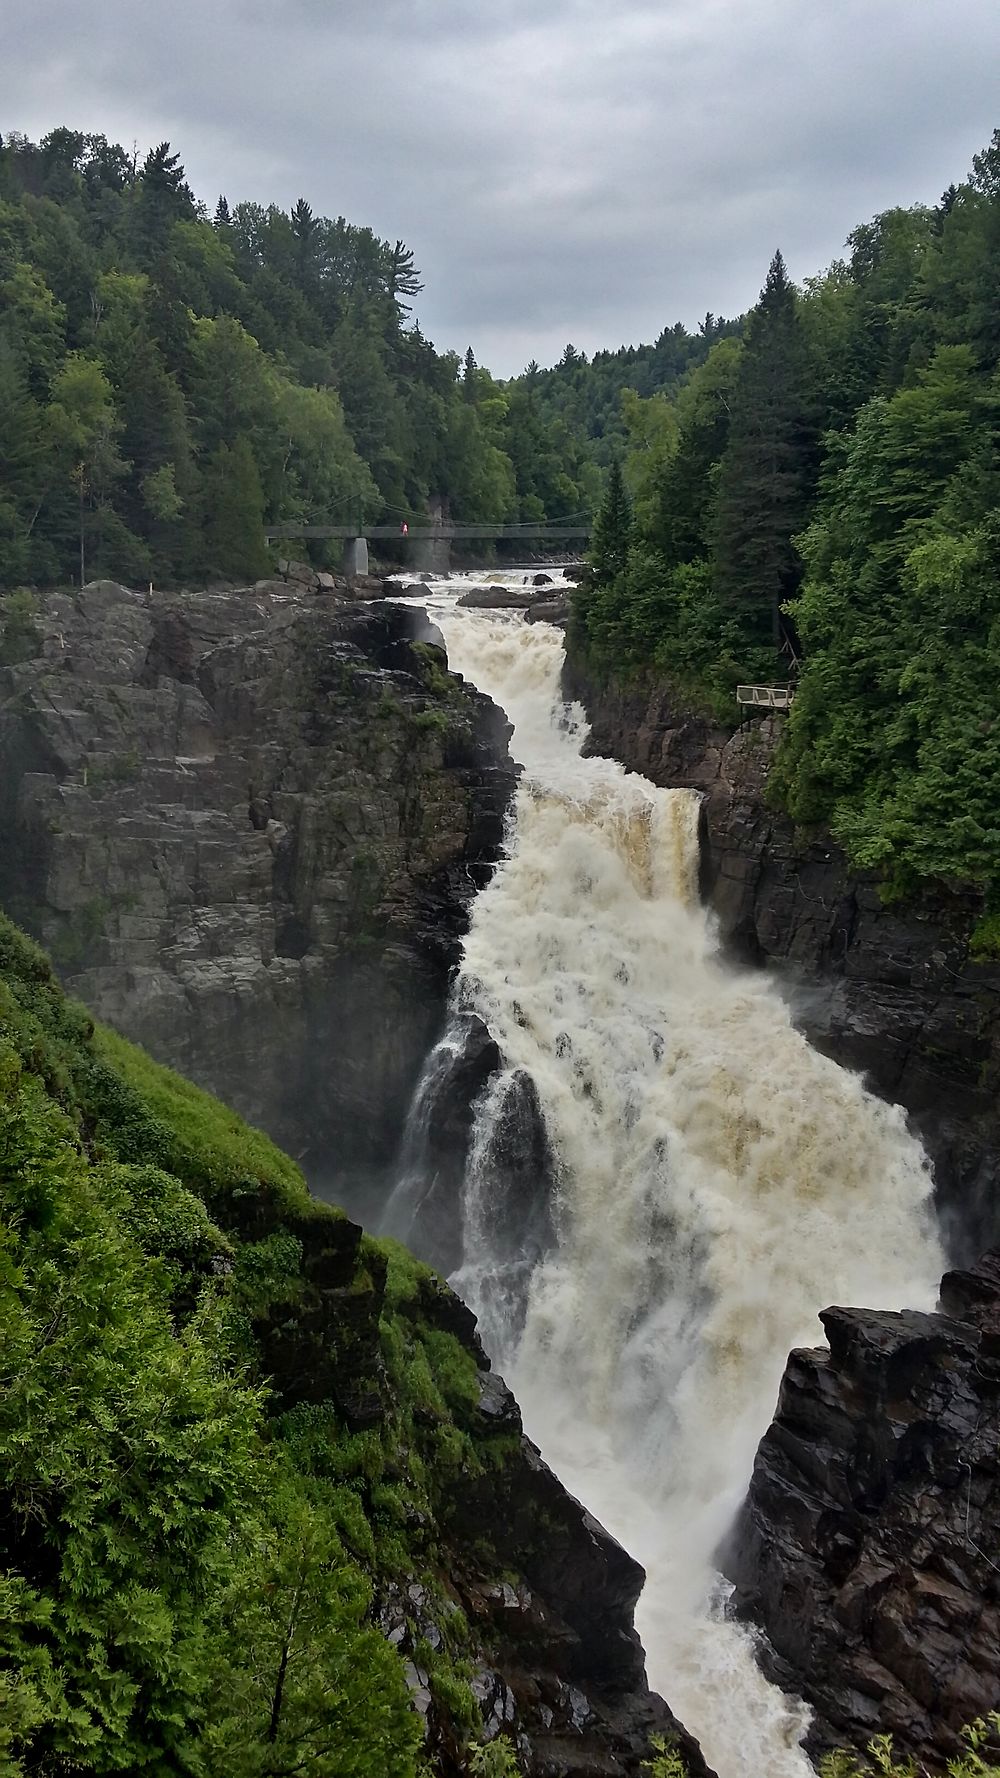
[765, 697]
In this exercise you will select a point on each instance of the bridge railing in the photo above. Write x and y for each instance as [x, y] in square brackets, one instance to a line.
[442, 533]
[765, 697]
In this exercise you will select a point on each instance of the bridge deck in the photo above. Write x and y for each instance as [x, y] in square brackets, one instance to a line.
[442, 533]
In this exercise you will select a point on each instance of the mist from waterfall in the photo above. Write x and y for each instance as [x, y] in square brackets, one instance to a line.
[717, 1181]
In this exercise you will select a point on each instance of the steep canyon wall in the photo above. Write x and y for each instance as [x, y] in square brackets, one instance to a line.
[246, 824]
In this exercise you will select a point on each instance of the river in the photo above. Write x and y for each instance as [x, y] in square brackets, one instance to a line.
[716, 1181]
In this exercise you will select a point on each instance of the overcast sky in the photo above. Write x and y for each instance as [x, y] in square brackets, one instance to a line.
[563, 169]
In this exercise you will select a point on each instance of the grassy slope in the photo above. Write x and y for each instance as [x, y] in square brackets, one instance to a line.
[227, 1425]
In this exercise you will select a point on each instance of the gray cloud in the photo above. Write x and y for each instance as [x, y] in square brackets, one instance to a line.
[561, 171]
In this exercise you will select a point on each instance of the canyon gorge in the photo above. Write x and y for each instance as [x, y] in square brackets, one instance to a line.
[507, 1001]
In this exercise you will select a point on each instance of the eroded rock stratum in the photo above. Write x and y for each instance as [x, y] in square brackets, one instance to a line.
[247, 824]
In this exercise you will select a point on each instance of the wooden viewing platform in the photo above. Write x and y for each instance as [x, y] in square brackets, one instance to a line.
[765, 697]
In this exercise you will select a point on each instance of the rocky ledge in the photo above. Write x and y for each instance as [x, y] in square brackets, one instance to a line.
[566, 1676]
[546, 1596]
[869, 1545]
[890, 989]
[247, 824]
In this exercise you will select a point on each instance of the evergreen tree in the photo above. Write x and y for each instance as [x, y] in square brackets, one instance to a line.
[612, 537]
[768, 464]
[404, 279]
[305, 229]
[234, 513]
[164, 197]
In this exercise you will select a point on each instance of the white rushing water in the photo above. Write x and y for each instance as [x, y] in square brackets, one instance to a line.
[719, 1181]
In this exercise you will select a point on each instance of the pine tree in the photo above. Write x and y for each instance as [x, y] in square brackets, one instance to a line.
[304, 228]
[164, 197]
[768, 464]
[612, 538]
[404, 279]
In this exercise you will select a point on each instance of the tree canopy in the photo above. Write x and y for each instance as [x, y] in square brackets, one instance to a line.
[818, 499]
[172, 383]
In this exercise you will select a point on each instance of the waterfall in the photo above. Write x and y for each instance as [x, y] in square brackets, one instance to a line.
[714, 1181]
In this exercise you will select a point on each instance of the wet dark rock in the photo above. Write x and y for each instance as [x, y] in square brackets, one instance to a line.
[465, 1086]
[867, 1548]
[889, 989]
[248, 828]
[519, 1161]
[426, 1211]
[570, 1670]
[550, 611]
[548, 1597]
[498, 598]
[401, 586]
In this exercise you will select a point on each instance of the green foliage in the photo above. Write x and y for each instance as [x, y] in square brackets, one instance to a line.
[318, 1687]
[19, 639]
[432, 722]
[820, 500]
[584, 399]
[976, 1761]
[234, 500]
[893, 738]
[187, 1574]
[984, 941]
[126, 1459]
[667, 1762]
[611, 543]
[494, 1759]
[168, 385]
[142, 1108]
[765, 467]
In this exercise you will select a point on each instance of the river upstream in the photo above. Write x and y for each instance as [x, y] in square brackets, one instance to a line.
[716, 1181]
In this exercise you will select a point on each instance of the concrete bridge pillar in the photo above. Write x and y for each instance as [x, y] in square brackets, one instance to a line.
[430, 555]
[355, 558]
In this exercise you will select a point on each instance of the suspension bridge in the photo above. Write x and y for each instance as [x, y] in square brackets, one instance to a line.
[429, 545]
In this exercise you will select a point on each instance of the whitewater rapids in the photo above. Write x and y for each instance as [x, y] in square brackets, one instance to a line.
[718, 1181]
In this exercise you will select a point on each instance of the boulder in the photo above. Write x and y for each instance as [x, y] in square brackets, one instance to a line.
[303, 572]
[497, 598]
[403, 587]
[366, 586]
[550, 611]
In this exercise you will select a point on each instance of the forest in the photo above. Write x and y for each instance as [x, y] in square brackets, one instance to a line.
[169, 381]
[817, 505]
[806, 495]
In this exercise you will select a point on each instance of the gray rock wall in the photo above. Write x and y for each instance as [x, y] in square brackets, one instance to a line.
[867, 1545]
[247, 825]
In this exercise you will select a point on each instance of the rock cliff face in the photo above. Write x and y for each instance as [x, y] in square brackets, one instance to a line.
[247, 824]
[548, 1595]
[559, 1667]
[890, 990]
[867, 1548]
